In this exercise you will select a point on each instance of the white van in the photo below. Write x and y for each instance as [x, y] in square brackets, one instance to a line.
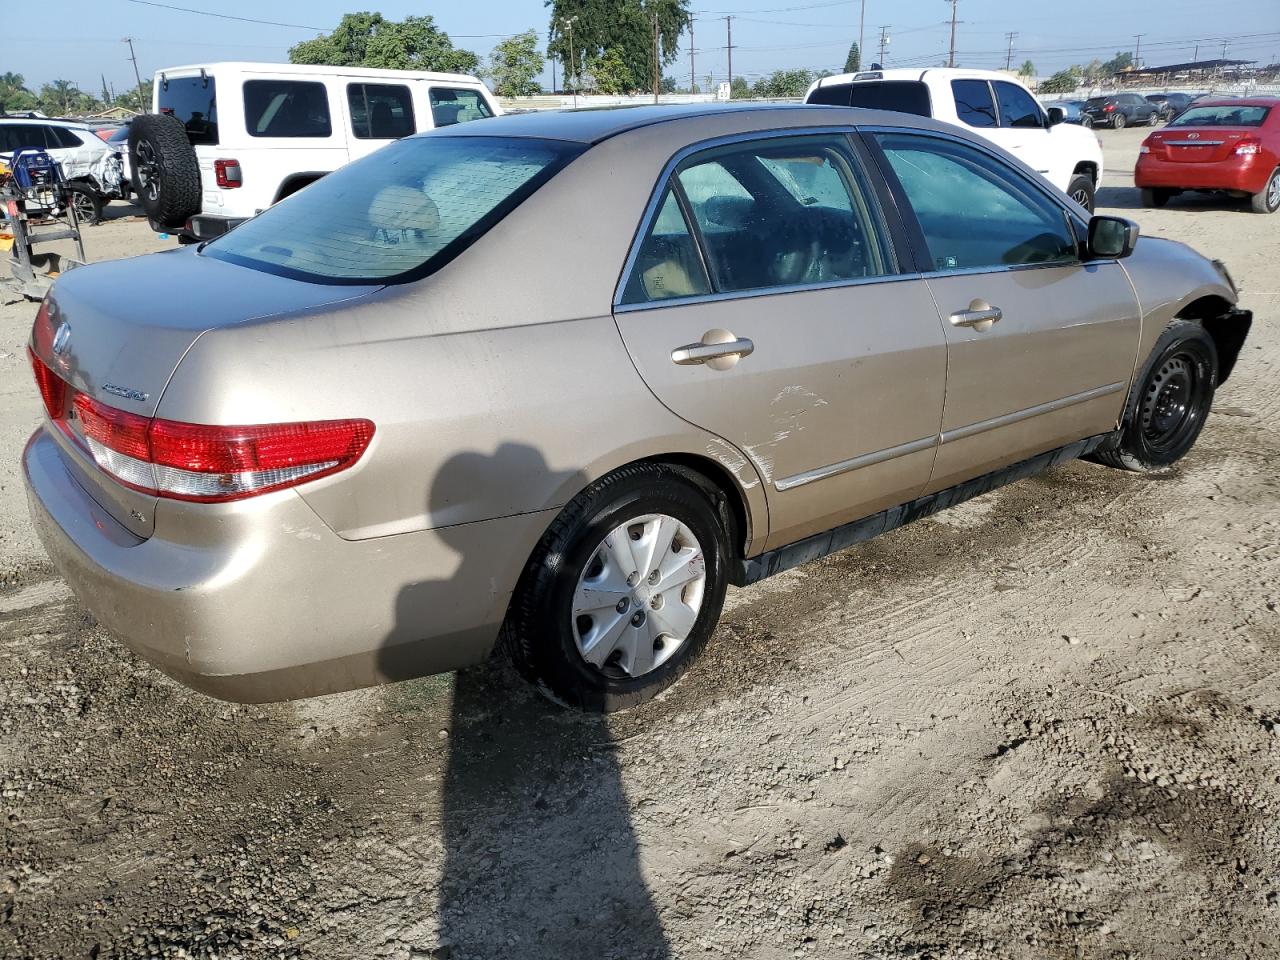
[227, 140]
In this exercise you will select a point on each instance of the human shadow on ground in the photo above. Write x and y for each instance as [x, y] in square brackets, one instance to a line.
[541, 859]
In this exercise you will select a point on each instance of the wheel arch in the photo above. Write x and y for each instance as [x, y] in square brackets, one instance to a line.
[295, 182]
[1227, 326]
[1089, 168]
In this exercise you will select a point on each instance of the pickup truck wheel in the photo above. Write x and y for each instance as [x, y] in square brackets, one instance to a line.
[1267, 200]
[165, 171]
[623, 591]
[1155, 198]
[87, 202]
[1169, 403]
[1118, 121]
[1080, 189]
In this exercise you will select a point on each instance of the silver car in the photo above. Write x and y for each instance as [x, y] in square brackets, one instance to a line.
[563, 378]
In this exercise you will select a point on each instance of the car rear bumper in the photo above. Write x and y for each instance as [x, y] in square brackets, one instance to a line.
[201, 227]
[1239, 173]
[259, 600]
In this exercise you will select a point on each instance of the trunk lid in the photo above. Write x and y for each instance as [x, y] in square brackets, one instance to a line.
[1198, 144]
[129, 323]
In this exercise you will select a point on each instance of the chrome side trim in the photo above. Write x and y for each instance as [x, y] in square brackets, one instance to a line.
[855, 463]
[982, 426]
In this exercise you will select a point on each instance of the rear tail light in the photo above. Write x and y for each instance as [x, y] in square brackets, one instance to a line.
[1108, 108]
[227, 174]
[200, 462]
[1249, 147]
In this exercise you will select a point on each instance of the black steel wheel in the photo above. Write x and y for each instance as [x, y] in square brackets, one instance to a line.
[1169, 403]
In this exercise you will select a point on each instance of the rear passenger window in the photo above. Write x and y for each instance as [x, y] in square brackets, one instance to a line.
[450, 106]
[286, 108]
[1017, 108]
[835, 95]
[904, 96]
[19, 136]
[668, 264]
[380, 111]
[974, 105]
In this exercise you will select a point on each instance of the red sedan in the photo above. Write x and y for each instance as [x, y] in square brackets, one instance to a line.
[1227, 145]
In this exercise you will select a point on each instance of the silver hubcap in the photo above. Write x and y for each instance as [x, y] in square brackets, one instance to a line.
[639, 595]
[1273, 192]
[84, 206]
[1081, 197]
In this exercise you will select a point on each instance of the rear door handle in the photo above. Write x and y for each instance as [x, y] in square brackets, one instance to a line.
[980, 316]
[718, 349]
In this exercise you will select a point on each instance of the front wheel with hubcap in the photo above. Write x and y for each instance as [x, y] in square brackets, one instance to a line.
[86, 202]
[1267, 200]
[624, 589]
[1170, 401]
[1080, 189]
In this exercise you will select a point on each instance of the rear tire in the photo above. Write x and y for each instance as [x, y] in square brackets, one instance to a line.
[1080, 189]
[1169, 403]
[165, 171]
[1155, 198]
[87, 201]
[550, 628]
[1267, 200]
[1118, 121]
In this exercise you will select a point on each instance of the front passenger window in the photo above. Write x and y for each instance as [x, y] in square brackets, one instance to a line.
[974, 210]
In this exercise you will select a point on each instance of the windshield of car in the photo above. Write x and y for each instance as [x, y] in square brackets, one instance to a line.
[1227, 115]
[399, 213]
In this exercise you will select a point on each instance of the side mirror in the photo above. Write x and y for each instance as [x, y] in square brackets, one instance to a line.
[1111, 238]
[1056, 116]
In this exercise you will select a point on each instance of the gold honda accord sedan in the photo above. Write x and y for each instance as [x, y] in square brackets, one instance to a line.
[562, 378]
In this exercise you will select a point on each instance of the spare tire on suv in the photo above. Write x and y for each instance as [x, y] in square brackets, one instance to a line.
[166, 173]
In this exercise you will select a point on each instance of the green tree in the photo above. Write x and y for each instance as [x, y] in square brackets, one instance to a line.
[668, 85]
[608, 73]
[1118, 63]
[623, 27]
[1028, 69]
[853, 62]
[1064, 81]
[783, 83]
[370, 40]
[130, 98]
[514, 65]
[64, 98]
[739, 89]
[14, 95]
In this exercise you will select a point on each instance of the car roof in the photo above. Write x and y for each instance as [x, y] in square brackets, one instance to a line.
[310, 70]
[46, 121]
[594, 124]
[1238, 102]
[916, 74]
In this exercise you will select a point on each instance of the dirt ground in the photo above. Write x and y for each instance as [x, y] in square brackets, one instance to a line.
[1043, 725]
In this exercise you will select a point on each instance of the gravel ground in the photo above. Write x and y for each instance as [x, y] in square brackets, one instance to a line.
[1042, 725]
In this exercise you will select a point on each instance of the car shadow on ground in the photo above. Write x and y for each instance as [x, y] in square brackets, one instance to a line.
[541, 859]
[1130, 198]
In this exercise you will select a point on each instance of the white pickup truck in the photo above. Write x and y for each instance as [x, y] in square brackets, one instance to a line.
[992, 105]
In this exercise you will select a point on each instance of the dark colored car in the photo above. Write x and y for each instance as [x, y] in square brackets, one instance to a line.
[1121, 110]
[1072, 111]
[1227, 145]
[1170, 104]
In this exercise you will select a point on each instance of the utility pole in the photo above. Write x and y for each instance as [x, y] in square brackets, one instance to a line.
[655, 58]
[1195, 57]
[1137, 49]
[951, 57]
[573, 80]
[862, 21]
[137, 76]
[693, 82]
[1008, 59]
[1224, 49]
[728, 25]
[884, 44]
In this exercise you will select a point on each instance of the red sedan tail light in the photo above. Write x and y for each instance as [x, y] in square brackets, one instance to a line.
[1249, 147]
[53, 389]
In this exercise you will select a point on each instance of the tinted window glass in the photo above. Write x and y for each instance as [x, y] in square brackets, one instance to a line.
[286, 108]
[904, 96]
[397, 214]
[380, 111]
[783, 212]
[450, 106]
[836, 95]
[195, 103]
[1017, 108]
[1096, 102]
[974, 210]
[62, 137]
[19, 136]
[973, 102]
[668, 263]
[1224, 116]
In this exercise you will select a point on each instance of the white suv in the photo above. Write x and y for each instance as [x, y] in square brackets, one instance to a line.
[91, 167]
[992, 105]
[227, 140]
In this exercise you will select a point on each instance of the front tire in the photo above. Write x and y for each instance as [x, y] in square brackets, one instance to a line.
[1267, 200]
[1170, 401]
[1080, 189]
[88, 203]
[1086, 121]
[623, 591]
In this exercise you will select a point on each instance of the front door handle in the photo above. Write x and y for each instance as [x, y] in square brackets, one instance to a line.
[980, 316]
[718, 349]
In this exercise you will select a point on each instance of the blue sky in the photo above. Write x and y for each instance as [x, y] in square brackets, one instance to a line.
[83, 41]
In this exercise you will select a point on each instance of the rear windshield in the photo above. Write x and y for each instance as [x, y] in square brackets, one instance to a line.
[1097, 101]
[1223, 116]
[398, 214]
[904, 96]
[194, 101]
